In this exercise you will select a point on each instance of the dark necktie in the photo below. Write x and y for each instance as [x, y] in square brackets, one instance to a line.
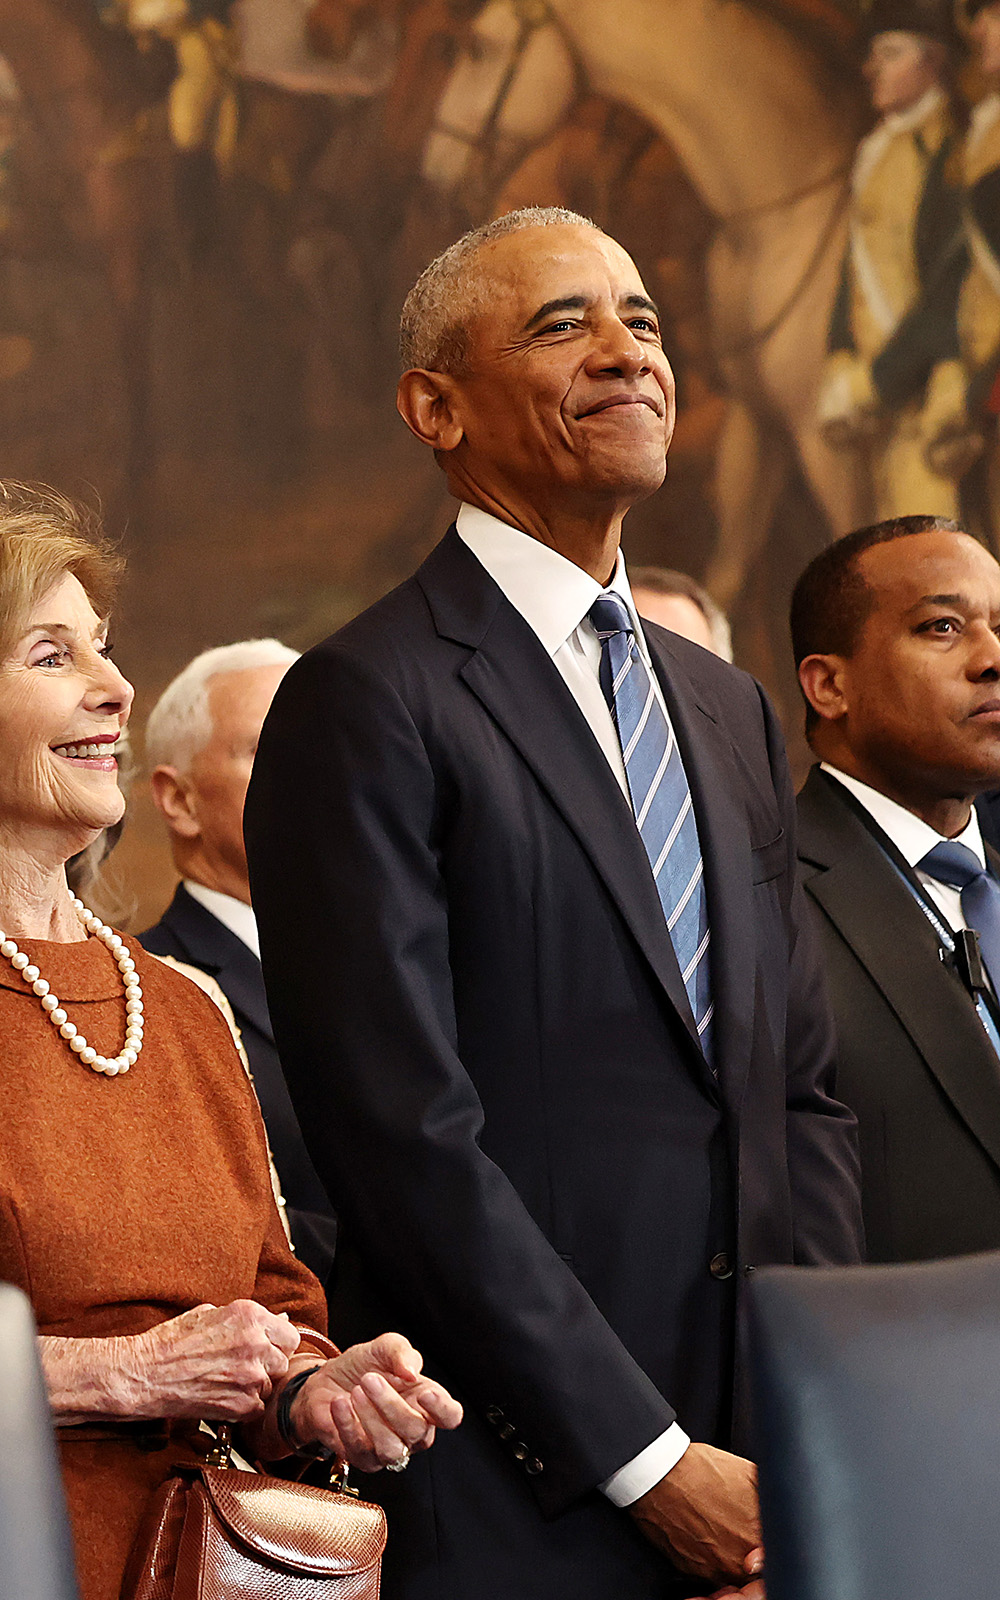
[957, 865]
[661, 802]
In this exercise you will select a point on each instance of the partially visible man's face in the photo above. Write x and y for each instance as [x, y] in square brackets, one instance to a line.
[900, 68]
[569, 393]
[220, 772]
[985, 30]
[923, 685]
[678, 612]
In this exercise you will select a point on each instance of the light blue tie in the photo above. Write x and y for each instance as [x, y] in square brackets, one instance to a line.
[661, 801]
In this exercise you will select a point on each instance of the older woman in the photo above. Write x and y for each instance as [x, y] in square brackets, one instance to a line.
[135, 1203]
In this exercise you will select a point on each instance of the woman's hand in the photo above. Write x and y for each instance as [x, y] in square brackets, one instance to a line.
[371, 1406]
[216, 1362]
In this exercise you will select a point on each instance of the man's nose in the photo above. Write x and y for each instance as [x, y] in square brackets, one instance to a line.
[986, 659]
[617, 350]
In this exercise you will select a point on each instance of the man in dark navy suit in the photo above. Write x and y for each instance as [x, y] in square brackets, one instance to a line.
[895, 634]
[200, 743]
[538, 968]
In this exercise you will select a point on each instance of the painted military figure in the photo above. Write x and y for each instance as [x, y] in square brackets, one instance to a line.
[979, 306]
[893, 388]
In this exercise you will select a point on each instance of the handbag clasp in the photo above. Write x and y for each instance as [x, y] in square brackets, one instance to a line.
[220, 1454]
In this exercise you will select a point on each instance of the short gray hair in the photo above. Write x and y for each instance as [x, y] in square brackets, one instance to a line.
[668, 581]
[180, 723]
[434, 327]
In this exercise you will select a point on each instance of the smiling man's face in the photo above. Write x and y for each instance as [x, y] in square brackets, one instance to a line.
[567, 395]
[922, 687]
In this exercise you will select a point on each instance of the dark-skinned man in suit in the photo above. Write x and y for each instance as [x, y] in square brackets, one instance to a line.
[895, 631]
[538, 968]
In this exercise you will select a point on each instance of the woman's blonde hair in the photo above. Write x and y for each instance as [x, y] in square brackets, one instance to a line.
[44, 536]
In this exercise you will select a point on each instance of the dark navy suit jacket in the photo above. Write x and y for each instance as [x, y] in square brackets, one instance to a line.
[189, 932]
[490, 1048]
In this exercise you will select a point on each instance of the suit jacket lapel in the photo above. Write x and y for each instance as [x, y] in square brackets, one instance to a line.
[725, 848]
[512, 676]
[863, 896]
[213, 947]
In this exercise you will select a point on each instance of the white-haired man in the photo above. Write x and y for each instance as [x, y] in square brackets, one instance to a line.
[201, 739]
[678, 602]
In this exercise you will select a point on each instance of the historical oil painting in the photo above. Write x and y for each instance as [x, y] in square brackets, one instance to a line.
[211, 210]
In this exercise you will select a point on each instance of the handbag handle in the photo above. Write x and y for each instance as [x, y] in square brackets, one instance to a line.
[221, 1455]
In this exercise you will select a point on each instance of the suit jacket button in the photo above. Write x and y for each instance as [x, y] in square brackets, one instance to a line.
[720, 1266]
[507, 1431]
[494, 1415]
[533, 1467]
[520, 1452]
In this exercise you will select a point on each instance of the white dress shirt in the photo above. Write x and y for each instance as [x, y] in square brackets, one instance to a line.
[913, 838]
[234, 914]
[554, 596]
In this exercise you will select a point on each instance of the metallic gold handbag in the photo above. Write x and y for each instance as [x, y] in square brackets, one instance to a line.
[216, 1532]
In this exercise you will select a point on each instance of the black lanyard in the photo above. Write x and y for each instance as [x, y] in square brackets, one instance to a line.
[959, 947]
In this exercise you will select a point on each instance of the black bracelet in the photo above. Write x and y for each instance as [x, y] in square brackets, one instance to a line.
[282, 1417]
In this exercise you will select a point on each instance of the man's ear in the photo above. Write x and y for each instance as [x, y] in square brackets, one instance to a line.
[426, 403]
[822, 680]
[171, 793]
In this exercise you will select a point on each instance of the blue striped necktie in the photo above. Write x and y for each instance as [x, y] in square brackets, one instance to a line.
[661, 801]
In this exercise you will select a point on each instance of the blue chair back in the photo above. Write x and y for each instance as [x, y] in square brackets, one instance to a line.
[36, 1556]
[876, 1396]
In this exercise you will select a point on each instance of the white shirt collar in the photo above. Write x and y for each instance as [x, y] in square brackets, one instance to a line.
[234, 914]
[552, 593]
[912, 836]
[982, 118]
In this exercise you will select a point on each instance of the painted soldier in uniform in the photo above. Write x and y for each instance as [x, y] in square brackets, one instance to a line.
[979, 306]
[893, 387]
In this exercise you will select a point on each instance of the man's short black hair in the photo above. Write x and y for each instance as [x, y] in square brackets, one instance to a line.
[832, 602]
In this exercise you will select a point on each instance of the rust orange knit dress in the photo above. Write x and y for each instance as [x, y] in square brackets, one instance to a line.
[125, 1201]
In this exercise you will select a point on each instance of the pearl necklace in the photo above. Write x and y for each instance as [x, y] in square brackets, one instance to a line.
[129, 1054]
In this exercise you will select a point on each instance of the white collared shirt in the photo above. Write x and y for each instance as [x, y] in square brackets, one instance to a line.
[554, 595]
[913, 838]
[234, 914]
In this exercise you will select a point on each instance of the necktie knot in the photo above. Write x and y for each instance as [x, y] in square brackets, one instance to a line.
[952, 863]
[610, 615]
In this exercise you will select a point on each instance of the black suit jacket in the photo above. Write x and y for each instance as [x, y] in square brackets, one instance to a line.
[536, 1172]
[913, 1059]
[189, 932]
[988, 809]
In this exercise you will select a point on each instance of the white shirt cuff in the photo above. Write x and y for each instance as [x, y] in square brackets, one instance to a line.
[638, 1476]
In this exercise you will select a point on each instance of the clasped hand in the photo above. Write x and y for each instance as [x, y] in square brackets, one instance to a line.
[369, 1405]
[704, 1515]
